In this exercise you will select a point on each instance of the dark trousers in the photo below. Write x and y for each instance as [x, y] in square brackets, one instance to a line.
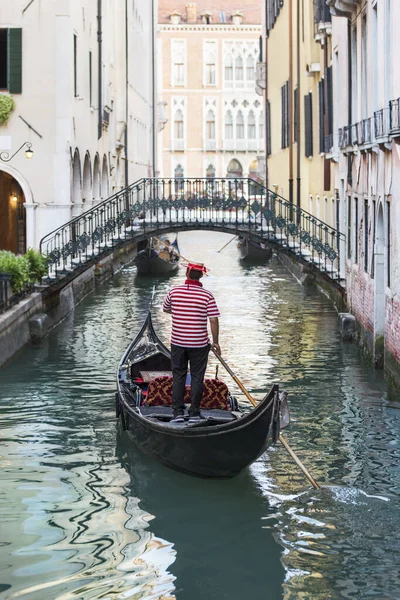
[180, 358]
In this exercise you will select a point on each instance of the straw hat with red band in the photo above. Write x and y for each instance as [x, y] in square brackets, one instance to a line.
[196, 267]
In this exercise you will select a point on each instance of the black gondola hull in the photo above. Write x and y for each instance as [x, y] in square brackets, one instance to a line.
[154, 265]
[208, 451]
[250, 250]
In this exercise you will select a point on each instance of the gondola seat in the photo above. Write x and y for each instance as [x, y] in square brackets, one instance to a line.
[215, 394]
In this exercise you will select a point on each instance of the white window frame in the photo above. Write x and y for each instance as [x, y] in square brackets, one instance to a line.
[210, 49]
[178, 49]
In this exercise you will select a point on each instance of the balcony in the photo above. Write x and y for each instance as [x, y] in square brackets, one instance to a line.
[344, 8]
[211, 145]
[381, 125]
[228, 145]
[354, 134]
[261, 71]
[347, 136]
[394, 107]
[365, 131]
[178, 145]
[341, 138]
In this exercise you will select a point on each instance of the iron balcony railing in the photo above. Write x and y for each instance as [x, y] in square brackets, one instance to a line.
[381, 124]
[151, 206]
[354, 134]
[394, 109]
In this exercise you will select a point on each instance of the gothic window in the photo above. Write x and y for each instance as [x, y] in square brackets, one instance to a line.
[178, 125]
[251, 126]
[250, 68]
[229, 68]
[261, 126]
[178, 52]
[179, 70]
[210, 125]
[179, 183]
[210, 173]
[240, 126]
[210, 62]
[229, 126]
[239, 68]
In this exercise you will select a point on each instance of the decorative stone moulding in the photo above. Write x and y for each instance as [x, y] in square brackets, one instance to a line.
[343, 8]
[261, 70]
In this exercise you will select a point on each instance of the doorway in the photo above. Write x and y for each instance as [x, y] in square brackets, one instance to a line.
[12, 215]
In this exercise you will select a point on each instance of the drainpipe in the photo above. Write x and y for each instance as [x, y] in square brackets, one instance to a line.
[290, 102]
[126, 96]
[266, 113]
[298, 112]
[153, 68]
[100, 70]
[349, 89]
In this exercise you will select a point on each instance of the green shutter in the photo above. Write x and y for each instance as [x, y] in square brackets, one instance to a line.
[15, 61]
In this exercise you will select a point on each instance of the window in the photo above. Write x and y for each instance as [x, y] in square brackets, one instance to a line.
[240, 126]
[295, 114]
[210, 126]
[229, 126]
[268, 116]
[261, 125]
[364, 83]
[373, 239]
[366, 223]
[308, 125]
[250, 68]
[285, 115]
[321, 106]
[251, 126]
[229, 68]
[353, 80]
[388, 237]
[356, 230]
[90, 79]
[348, 227]
[239, 68]
[178, 125]
[210, 74]
[179, 182]
[11, 60]
[179, 72]
[178, 66]
[210, 173]
[75, 66]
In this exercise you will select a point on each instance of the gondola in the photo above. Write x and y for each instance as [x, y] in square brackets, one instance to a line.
[252, 250]
[223, 443]
[157, 257]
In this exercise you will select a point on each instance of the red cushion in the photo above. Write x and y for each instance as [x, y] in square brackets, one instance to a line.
[215, 393]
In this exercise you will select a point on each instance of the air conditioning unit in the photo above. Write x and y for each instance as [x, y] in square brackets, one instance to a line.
[313, 68]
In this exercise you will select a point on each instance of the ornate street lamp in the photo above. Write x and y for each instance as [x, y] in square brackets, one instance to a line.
[5, 156]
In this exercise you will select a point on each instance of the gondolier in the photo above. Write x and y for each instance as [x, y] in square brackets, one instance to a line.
[191, 307]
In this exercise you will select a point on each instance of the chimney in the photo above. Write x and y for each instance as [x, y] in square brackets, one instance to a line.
[191, 13]
[175, 17]
[237, 18]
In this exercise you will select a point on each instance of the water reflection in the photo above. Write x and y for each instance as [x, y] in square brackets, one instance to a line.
[85, 515]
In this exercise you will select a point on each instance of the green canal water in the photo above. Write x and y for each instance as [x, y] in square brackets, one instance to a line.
[84, 515]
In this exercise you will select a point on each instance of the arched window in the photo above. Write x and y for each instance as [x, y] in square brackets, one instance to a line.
[250, 68]
[240, 126]
[251, 126]
[178, 125]
[210, 69]
[239, 68]
[210, 125]
[261, 126]
[210, 173]
[179, 183]
[235, 168]
[229, 68]
[229, 126]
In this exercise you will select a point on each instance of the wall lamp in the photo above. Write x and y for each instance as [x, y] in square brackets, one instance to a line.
[5, 156]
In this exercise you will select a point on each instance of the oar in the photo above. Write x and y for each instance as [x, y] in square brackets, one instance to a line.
[254, 403]
[234, 238]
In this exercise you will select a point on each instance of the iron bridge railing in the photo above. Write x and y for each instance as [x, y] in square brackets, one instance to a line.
[153, 205]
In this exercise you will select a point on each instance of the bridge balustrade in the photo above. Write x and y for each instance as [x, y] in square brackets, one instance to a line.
[152, 206]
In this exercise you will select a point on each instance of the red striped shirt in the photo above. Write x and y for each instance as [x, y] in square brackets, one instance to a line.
[190, 306]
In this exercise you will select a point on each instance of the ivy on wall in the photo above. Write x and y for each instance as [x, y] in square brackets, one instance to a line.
[7, 105]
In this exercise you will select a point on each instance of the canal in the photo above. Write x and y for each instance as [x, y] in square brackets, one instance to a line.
[84, 515]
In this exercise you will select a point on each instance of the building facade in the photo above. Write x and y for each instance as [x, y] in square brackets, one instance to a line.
[295, 75]
[83, 100]
[367, 167]
[207, 57]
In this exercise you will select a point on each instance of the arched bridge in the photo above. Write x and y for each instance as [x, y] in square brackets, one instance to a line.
[155, 206]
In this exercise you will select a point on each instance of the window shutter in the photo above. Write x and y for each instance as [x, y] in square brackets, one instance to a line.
[308, 125]
[268, 119]
[330, 100]
[15, 61]
[321, 116]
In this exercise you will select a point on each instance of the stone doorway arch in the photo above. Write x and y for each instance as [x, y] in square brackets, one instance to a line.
[379, 290]
[12, 214]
